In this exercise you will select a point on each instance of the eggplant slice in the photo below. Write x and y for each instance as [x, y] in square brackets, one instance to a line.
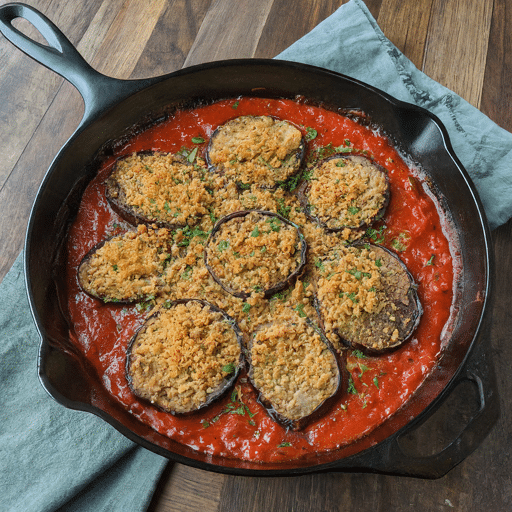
[159, 188]
[128, 267]
[184, 356]
[366, 298]
[255, 252]
[345, 192]
[294, 369]
[256, 150]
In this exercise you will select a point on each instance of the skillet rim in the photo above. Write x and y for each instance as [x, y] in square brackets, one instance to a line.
[45, 344]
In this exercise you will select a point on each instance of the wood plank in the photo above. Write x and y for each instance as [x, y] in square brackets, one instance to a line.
[497, 93]
[29, 88]
[406, 26]
[189, 490]
[126, 38]
[172, 38]
[283, 30]
[456, 46]
[229, 31]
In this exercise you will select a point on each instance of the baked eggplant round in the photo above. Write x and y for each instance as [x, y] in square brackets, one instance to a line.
[366, 298]
[158, 188]
[128, 267]
[294, 369]
[255, 251]
[185, 356]
[345, 191]
[256, 150]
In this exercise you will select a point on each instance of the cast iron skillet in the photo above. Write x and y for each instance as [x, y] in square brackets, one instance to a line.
[113, 107]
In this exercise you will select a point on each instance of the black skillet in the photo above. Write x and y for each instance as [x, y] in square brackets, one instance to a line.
[115, 108]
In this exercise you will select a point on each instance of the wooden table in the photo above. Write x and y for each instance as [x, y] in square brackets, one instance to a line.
[463, 44]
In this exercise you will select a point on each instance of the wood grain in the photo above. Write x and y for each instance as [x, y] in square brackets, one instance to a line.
[455, 51]
[497, 92]
[464, 44]
[406, 25]
[229, 31]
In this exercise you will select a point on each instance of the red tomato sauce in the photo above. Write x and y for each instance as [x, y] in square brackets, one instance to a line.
[381, 385]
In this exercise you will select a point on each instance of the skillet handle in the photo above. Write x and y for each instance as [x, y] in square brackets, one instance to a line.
[390, 457]
[97, 90]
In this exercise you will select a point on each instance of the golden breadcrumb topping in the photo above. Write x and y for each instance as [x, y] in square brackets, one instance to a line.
[183, 356]
[257, 150]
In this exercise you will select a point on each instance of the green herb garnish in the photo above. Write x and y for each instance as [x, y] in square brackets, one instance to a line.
[223, 245]
[228, 368]
[311, 133]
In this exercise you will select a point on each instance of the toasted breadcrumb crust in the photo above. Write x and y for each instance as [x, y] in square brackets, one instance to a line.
[292, 366]
[183, 356]
[364, 297]
[176, 270]
[127, 267]
[254, 252]
[259, 150]
[346, 192]
[162, 187]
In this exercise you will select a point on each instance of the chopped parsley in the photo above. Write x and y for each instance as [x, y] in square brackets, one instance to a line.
[228, 368]
[283, 210]
[311, 133]
[400, 242]
[377, 235]
[300, 309]
[351, 388]
[223, 245]
[319, 264]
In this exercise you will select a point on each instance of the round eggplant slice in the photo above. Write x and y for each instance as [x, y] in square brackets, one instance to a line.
[255, 252]
[158, 188]
[184, 356]
[345, 192]
[366, 298]
[128, 267]
[294, 369]
[256, 150]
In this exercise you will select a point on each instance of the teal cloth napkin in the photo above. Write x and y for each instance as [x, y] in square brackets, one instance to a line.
[56, 459]
[53, 458]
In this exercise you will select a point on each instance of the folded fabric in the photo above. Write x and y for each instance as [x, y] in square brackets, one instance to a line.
[54, 458]
[351, 42]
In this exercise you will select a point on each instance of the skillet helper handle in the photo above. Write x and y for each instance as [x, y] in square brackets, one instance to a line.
[60, 56]
[478, 370]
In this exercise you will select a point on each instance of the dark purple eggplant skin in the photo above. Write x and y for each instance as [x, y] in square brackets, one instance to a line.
[222, 390]
[415, 308]
[323, 408]
[279, 286]
[130, 214]
[303, 189]
[301, 154]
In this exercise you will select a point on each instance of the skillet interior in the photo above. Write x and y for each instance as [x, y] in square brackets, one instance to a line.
[416, 133]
